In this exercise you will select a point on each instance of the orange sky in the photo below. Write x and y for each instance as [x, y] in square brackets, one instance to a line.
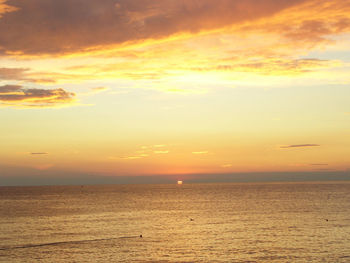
[173, 87]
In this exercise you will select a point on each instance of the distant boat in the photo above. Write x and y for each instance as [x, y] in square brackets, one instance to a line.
[179, 182]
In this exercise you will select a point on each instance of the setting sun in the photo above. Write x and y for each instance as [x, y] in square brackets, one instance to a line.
[139, 88]
[174, 130]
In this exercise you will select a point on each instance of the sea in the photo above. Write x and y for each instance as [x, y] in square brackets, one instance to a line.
[233, 222]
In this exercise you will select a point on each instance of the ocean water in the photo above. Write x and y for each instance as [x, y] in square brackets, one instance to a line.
[262, 222]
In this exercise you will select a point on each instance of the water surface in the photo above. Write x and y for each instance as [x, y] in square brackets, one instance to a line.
[269, 222]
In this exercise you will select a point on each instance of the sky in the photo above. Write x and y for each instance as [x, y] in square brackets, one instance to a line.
[173, 89]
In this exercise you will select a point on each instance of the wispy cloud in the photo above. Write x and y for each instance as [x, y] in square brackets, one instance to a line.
[268, 66]
[13, 73]
[93, 91]
[4, 8]
[129, 157]
[26, 74]
[39, 153]
[18, 96]
[99, 89]
[299, 145]
[159, 145]
[318, 164]
[160, 152]
[228, 165]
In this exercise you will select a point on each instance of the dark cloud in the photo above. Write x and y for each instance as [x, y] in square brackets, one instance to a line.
[15, 95]
[51, 26]
[316, 30]
[39, 153]
[309, 29]
[12, 73]
[24, 74]
[9, 88]
[300, 145]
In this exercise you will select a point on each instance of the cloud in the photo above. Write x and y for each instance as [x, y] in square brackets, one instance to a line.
[300, 145]
[128, 39]
[56, 27]
[53, 27]
[272, 66]
[25, 74]
[4, 8]
[310, 23]
[159, 145]
[226, 165]
[93, 91]
[318, 164]
[9, 88]
[99, 89]
[134, 157]
[19, 96]
[13, 73]
[160, 152]
[39, 153]
[131, 157]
